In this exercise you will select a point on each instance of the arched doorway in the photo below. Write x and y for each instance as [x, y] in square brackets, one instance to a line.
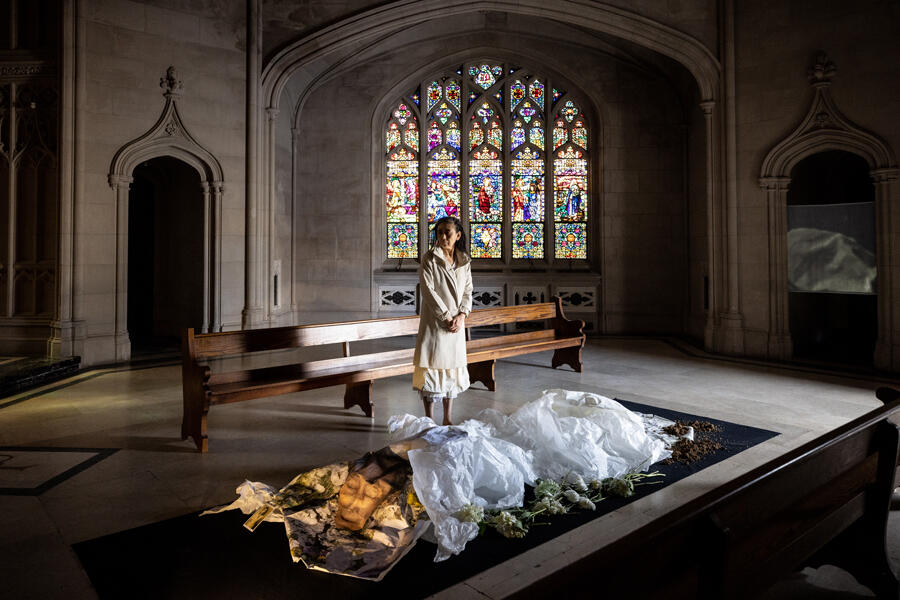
[833, 308]
[165, 255]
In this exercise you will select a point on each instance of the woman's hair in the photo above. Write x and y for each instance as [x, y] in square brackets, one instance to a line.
[461, 242]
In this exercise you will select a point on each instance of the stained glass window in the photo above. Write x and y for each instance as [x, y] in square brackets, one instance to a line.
[528, 200]
[453, 94]
[570, 183]
[443, 186]
[401, 192]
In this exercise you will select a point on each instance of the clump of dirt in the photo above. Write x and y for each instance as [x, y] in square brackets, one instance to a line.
[687, 451]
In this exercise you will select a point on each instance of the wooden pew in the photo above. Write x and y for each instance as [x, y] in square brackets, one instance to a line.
[202, 388]
[825, 502]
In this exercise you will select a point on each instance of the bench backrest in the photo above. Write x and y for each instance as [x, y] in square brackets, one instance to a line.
[739, 538]
[209, 345]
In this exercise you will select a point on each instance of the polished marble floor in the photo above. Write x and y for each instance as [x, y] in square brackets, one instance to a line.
[101, 452]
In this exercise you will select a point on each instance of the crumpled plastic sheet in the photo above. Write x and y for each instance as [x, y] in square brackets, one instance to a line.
[487, 461]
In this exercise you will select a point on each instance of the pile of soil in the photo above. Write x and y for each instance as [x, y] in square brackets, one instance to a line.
[686, 451]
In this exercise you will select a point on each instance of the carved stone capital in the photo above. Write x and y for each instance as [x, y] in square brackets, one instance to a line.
[120, 181]
[707, 106]
[774, 184]
[885, 175]
[272, 113]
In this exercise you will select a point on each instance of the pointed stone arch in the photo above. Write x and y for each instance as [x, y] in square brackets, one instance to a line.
[825, 128]
[169, 137]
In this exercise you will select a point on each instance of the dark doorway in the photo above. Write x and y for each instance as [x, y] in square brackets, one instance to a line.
[165, 255]
[831, 259]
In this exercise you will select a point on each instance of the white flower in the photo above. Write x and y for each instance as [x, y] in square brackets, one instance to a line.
[596, 484]
[470, 513]
[572, 496]
[586, 503]
[508, 525]
[546, 487]
[557, 508]
[619, 487]
[577, 482]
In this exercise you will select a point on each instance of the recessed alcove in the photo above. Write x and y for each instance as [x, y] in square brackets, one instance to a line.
[831, 259]
[165, 254]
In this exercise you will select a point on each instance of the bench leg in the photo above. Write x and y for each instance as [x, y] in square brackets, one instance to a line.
[483, 372]
[193, 420]
[360, 394]
[568, 356]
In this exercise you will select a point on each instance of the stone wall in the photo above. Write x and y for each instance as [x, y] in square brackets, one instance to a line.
[776, 44]
[643, 259]
[125, 47]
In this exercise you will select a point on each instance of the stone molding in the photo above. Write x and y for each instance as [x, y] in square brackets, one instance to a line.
[170, 137]
[825, 128]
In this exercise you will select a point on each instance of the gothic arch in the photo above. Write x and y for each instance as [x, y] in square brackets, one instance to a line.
[825, 128]
[169, 137]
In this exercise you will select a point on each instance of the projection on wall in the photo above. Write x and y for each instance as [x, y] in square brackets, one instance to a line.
[831, 248]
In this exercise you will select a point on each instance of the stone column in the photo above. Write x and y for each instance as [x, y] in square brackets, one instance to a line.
[207, 250]
[271, 122]
[780, 346]
[712, 229]
[887, 355]
[121, 184]
[252, 314]
[295, 149]
[731, 321]
[215, 308]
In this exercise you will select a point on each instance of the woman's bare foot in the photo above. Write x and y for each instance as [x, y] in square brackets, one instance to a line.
[429, 407]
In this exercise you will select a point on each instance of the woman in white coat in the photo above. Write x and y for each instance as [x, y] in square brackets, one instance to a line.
[445, 278]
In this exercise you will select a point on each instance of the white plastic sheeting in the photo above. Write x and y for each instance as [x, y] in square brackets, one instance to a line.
[487, 461]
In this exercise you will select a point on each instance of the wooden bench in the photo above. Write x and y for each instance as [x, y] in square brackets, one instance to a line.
[825, 502]
[203, 388]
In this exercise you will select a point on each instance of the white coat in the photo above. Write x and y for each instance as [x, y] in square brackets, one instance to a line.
[445, 292]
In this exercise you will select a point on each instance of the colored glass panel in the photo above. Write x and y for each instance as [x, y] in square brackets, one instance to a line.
[486, 189]
[402, 191]
[443, 113]
[402, 240]
[570, 189]
[516, 136]
[473, 96]
[415, 98]
[527, 196]
[571, 240]
[435, 136]
[485, 112]
[569, 111]
[392, 140]
[452, 92]
[527, 111]
[402, 114]
[536, 135]
[495, 135]
[486, 240]
[536, 91]
[443, 186]
[579, 134]
[485, 76]
[403, 154]
[528, 240]
[453, 136]
[476, 136]
[516, 94]
[411, 136]
[560, 135]
[499, 97]
[433, 94]
[557, 95]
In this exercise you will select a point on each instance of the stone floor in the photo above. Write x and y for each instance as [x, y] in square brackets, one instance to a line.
[57, 442]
